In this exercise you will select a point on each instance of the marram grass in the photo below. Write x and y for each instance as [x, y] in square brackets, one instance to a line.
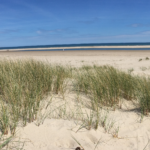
[23, 85]
[106, 85]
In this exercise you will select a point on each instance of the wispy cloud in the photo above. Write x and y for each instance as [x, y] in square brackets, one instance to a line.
[146, 32]
[43, 31]
[119, 36]
[7, 31]
[136, 35]
[90, 21]
[136, 25]
[56, 31]
[139, 25]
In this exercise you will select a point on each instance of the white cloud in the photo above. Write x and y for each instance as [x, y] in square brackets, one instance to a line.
[56, 31]
[136, 25]
[7, 31]
[39, 32]
[146, 32]
[42, 31]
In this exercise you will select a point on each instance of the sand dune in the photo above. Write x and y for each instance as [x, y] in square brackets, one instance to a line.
[60, 134]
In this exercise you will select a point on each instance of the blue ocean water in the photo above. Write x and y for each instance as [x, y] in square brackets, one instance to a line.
[82, 45]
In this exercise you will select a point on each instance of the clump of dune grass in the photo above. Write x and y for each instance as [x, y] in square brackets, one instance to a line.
[105, 85]
[146, 58]
[23, 84]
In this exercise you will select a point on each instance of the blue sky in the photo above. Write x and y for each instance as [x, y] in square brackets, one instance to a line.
[46, 22]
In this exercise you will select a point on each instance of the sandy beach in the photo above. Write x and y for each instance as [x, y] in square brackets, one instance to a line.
[121, 59]
[63, 134]
[76, 47]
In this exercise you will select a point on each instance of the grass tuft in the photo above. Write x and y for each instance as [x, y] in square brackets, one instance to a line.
[105, 85]
[146, 58]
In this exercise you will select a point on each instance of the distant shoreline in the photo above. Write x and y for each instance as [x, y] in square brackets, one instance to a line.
[78, 47]
[91, 53]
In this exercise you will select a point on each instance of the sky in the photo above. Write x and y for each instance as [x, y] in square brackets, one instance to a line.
[48, 22]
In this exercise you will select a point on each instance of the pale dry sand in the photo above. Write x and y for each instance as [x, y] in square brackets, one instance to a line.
[57, 134]
[121, 59]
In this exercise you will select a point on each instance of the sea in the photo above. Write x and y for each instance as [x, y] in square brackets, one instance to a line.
[40, 47]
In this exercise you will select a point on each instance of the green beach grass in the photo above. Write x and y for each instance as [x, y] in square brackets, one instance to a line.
[24, 84]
